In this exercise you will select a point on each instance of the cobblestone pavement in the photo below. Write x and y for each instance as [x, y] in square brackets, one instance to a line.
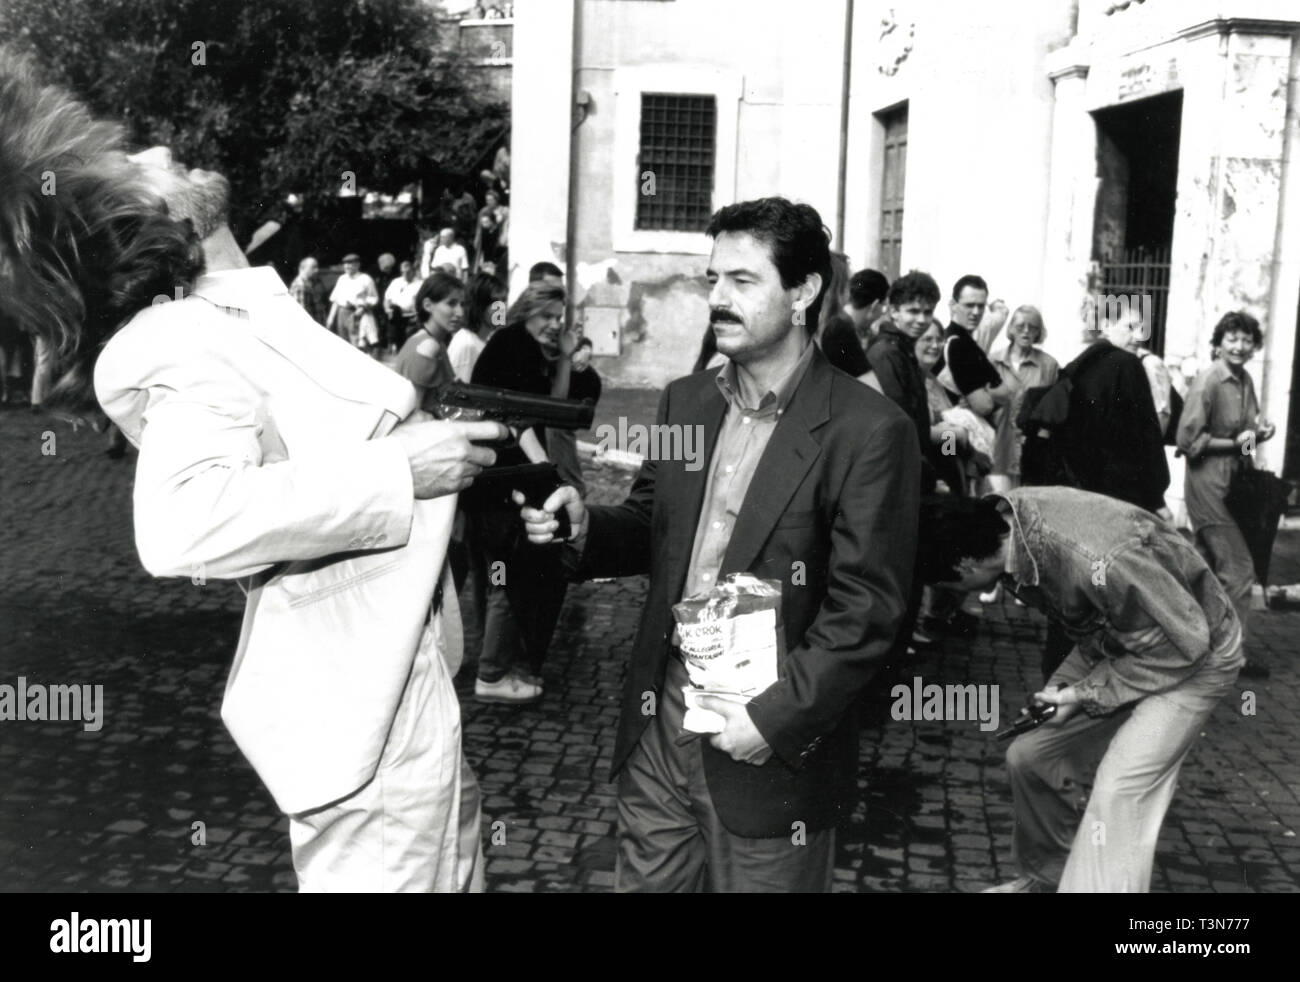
[115, 809]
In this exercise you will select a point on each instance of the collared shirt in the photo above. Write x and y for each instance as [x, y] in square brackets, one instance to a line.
[1036, 369]
[401, 294]
[1219, 406]
[744, 436]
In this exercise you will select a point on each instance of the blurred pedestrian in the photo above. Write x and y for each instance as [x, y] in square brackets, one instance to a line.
[450, 253]
[399, 303]
[485, 311]
[439, 305]
[530, 354]
[1131, 332]
[352, 304]
[964, 368]
[309, 291]
[848, 331]
[1023, 365]
[387, 266]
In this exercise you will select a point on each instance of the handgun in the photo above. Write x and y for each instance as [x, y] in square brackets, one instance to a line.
[493, 487]
[1031, 717]
[518, 410]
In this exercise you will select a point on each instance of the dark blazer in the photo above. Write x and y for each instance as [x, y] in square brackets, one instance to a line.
[832, 514]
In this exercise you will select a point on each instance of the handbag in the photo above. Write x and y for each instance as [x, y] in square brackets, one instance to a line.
[1256, 500]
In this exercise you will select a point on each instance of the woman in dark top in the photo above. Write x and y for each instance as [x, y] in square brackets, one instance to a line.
[530, 354]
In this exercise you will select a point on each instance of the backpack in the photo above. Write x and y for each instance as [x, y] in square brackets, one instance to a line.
[1170, 435]
[1042, 418]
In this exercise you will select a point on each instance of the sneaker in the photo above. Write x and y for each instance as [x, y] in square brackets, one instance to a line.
[1021, 884]
[994, 596]
[509, 689]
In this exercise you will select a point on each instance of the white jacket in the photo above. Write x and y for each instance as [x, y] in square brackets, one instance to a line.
[263, 458]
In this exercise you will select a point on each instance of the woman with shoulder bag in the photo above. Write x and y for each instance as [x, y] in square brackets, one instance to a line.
[1218, 432]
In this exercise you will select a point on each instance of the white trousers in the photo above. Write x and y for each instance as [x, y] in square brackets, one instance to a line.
[415, 827]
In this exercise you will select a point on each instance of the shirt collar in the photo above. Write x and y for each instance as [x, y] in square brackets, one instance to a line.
[1222, 372]
[1021, 565]
[774, 400]
[1029, 359]
[231, 288]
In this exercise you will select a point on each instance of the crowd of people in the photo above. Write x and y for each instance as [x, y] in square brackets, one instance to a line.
[850, 439]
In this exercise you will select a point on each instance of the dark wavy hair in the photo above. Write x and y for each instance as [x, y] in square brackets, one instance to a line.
[85, 243]
[1237, 321]
[795, 234]
[914, 286]
[482, 293]
[953, 529]
[438, 285]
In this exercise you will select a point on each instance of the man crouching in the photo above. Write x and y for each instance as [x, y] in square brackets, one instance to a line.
[1157, 644]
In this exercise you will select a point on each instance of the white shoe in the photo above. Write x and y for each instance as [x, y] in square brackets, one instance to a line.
[509, 689]
[994, 596]
[1021, 884]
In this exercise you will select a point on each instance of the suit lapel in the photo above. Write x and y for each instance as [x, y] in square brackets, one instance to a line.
[707, 408]
[786, 460]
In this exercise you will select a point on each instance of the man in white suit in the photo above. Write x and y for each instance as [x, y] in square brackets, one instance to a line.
[273, 453]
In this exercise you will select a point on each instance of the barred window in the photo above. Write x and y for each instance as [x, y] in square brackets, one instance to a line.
[678, 145]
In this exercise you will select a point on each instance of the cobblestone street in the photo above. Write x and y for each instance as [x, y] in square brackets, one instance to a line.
[114, 809]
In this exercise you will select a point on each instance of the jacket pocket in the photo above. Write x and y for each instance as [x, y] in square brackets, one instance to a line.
[304, 589]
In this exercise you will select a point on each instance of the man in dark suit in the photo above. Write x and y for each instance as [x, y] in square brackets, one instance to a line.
[809, 478]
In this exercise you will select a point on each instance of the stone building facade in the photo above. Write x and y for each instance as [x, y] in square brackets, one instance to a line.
[1069, 151]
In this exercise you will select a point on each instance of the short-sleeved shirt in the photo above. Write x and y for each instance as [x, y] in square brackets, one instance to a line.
[359, 289]
[842, 348]
[401, 294]
[463, 349]
[967, 365]
[423, 361]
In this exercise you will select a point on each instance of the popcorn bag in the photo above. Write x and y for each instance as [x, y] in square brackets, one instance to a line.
[730, 639]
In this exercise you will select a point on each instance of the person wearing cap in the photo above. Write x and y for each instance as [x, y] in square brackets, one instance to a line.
[352, 305]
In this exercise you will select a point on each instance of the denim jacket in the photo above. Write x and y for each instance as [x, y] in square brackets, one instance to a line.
[1140, 603]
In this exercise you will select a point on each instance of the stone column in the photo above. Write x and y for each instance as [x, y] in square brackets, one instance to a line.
[1067, 257]
[1227, 250]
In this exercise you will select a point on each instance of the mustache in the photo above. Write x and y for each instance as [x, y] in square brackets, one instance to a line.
[723, 317]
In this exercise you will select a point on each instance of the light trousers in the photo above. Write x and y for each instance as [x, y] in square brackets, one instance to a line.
[414, 828]
[1110, 849]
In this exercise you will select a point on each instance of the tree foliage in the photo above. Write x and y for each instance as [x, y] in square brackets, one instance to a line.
[280, 95]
